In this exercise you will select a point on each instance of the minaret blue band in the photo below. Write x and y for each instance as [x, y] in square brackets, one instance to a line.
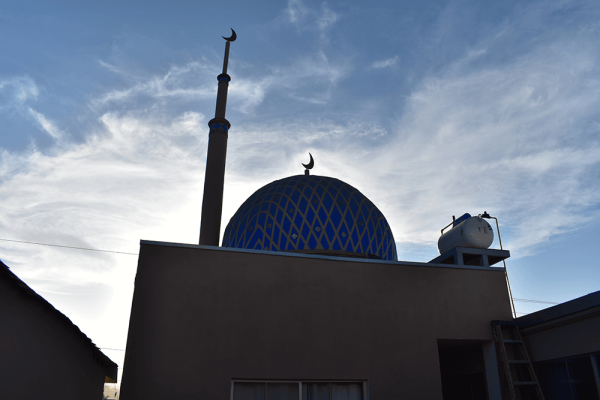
[218, 123]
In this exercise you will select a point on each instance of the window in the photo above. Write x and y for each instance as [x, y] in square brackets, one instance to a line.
[298, 390]
[571, 379]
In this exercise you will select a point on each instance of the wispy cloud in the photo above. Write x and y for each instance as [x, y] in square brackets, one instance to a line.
[310, 78]
[390, 62]
[16, 94]
[327, 18]
[306, 18]
[46, 125]
[180, 82]
[16, 91]
[132, 160]
[296, 11]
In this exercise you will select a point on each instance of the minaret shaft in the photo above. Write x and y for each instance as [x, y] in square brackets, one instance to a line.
[214, 180]
[226, 58]
[222, 99]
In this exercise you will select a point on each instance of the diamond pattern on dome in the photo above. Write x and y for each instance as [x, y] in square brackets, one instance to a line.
[309, 212]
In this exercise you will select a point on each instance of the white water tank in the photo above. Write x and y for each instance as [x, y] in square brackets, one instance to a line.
[472, 232]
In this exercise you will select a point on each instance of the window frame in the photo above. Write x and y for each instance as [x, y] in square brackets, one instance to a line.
[364, 383]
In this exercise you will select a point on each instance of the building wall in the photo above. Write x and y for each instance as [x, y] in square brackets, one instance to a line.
[40, 356]
[202, 316]
[564, 337]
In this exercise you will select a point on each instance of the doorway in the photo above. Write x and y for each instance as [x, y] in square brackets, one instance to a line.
[462, 370]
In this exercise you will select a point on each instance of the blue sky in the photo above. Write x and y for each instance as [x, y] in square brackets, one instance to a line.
[431, 109]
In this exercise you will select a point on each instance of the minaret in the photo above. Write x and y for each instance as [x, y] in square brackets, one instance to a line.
[212, 202]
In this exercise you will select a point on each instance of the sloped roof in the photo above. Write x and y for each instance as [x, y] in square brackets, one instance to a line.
[110, 366]
[560, 310]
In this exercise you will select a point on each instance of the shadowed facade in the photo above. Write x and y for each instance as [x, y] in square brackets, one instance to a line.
[204, 316]
[42, 353]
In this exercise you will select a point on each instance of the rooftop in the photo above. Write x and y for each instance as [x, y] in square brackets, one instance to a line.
[582, 305]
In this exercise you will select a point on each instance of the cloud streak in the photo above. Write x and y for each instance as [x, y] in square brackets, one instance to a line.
[390, 62]
[305, 18]
[310, 79]
[46, 125]
[175, 84]
[15, 95]
[15, 92]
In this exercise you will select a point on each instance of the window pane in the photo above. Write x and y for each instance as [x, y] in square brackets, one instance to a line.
[315, 391]
[282, 391]
[583, 382]
[248, 391]
[346, 391]
[554, 380]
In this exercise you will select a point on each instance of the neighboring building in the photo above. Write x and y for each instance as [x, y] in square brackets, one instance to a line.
[42, 352]
[564, 344]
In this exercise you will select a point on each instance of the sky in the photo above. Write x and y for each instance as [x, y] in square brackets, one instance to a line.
[430, 109]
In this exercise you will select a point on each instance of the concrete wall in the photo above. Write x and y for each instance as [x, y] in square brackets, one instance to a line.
[41, 357]
[564, 337]
[202, 316]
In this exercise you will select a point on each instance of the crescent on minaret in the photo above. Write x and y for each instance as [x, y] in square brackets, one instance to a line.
[232, 37]
[311, 163]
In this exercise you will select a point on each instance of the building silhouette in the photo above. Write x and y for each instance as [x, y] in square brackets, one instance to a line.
[42, 353]
[306, 299]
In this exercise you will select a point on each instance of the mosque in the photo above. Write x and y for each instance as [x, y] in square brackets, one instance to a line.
[306, 299]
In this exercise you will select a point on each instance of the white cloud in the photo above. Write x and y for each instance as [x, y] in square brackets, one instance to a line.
[46, 125]
[390, 62]
[189, 81]
[14, 92]
[309, 79]
[327, 18]
[305, 18]
[295, 11]
[126, 175]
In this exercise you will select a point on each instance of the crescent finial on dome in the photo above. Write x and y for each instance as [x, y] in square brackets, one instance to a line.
[310, 165]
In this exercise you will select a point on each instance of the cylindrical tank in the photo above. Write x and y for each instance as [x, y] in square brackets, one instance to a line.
[472, 232]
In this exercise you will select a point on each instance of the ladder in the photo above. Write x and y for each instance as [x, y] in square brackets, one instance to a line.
[518, 371]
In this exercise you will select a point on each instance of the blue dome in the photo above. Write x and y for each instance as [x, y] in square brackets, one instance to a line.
[311, 214]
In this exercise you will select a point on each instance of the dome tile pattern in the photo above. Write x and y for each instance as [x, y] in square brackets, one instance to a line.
[309, 212]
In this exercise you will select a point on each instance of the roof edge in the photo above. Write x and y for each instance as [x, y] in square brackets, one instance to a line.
[565, 309]
[109, 365]
[319, 256]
